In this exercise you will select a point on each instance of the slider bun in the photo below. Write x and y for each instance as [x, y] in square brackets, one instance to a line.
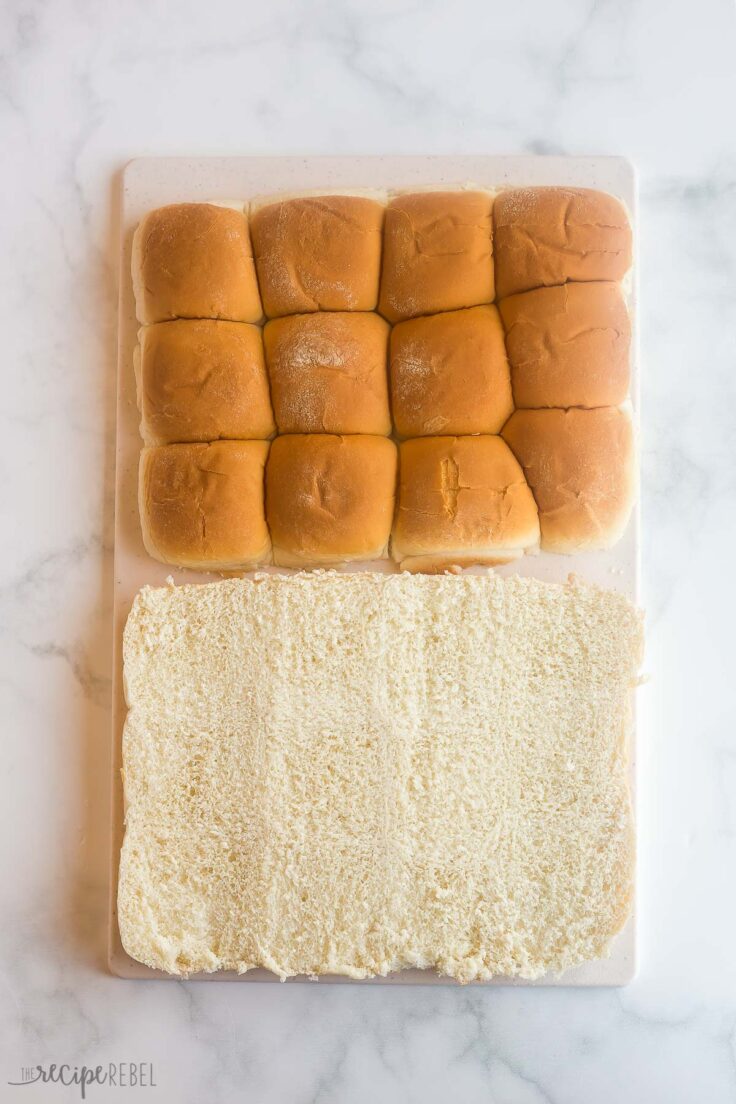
[437, 253]
[580, 467]
[462, 500]
[568, 345]
[328, 372]
[547, 236]
[201, 506]
[449, 374]
[330, 499]
[318, 253]
[201, 380]
[194, 260]
[378, 195]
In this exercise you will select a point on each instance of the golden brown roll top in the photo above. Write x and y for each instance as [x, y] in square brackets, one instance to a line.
[449, 374]
[201, 506]
[330, 499]
[546, 370]
[202, 381]
[194, 260]
[568, 345]
[328, 372]
[437, 253]
[580, 465]
[461, 501]
[318, 253]
[548, 236]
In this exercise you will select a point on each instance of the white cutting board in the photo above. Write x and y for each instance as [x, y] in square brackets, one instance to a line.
[153, 181]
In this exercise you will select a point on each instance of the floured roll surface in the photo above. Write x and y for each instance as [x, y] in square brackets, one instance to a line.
[450, 374]
[328, 372]
[437, 253]
[358, 773]
[318, 253]
[548, 236]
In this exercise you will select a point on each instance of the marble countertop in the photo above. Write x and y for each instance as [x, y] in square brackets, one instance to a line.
[83, 88]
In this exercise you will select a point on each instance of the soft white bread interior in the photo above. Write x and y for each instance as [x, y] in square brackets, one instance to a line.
[461, 501]
[194, 260]
[353, 774]
[202, 505]
[581, 467]
[202, 380]
[330, 498]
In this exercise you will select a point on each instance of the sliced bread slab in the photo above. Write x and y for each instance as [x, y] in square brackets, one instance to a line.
[357, 773]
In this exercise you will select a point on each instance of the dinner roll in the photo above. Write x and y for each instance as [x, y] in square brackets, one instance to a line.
[545, 236]
[462, 501]
[328, 372]
[330, 499]
[580, 466]
[201, 506]
[437, 253]
[449, 374]
[568, 345]
[194, 260]
[201, 380]
[318, 253]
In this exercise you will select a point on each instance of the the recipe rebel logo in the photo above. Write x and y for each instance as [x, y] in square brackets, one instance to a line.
[120, 1075]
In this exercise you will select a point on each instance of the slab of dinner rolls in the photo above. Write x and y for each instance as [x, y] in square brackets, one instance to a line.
[546, 236]
[318, 253]
[580, 465]
[330, 499]
[328, 372]
[568, 345]
[449, 374]
[194, 260]
[461, 501]
[202, 380]
[437, 253]
[202, 506]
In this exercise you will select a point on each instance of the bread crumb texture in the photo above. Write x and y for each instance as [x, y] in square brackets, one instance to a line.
[353, 774]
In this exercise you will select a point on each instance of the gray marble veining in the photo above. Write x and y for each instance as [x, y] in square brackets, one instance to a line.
[83, 87]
